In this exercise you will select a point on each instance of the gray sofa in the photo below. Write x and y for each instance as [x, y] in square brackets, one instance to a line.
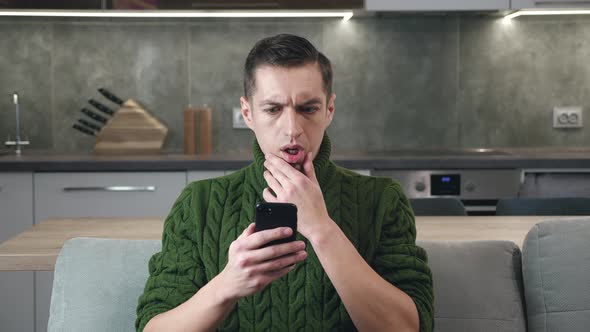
[479, 286]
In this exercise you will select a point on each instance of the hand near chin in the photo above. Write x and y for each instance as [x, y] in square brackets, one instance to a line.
[301, 189]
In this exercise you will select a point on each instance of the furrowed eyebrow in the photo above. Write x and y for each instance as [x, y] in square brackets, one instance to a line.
[270, 102]
[309, 102]
[312, 101]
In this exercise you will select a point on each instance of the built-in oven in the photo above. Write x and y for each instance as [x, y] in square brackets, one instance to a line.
[479, 190]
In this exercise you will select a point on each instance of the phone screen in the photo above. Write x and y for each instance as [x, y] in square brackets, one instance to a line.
[273, 215]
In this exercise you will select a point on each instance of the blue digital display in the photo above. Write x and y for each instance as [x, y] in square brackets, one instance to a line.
[445, 184]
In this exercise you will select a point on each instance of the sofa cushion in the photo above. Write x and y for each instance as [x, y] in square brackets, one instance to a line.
[97, 283]
[477, 285]
[556, 271]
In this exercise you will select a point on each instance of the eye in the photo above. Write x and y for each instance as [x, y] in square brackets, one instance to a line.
[308, 109]
[273, 110]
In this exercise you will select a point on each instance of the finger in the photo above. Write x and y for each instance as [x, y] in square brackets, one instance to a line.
[274, 275]
[248, 231]
[308, 167]
[273, 252]
[251, 229]
[272, 182]
[283, 166]
[268, 196]
[278, 175]
[261, 238]
[280, 263]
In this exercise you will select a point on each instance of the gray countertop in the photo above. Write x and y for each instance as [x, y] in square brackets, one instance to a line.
[398, 159]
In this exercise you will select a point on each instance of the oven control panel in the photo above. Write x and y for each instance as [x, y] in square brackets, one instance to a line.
[463, 184]
[479, 190]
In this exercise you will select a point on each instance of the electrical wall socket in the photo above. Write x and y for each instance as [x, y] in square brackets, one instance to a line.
[567, 117]
[238, 119]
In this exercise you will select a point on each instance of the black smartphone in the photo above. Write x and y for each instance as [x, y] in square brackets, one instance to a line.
[273, 215]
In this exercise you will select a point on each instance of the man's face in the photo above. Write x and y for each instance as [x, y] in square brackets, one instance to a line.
[289, 111]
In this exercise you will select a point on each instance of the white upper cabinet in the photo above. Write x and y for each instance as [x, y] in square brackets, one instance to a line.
[436, 5]
[549, 4]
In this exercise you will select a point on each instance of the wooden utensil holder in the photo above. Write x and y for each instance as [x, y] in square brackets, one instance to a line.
[131, 130]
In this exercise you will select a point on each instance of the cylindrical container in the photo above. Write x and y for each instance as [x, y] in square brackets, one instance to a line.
[190, 130]
[205, 130]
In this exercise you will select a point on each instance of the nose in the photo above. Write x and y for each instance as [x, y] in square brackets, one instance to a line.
[292, 126]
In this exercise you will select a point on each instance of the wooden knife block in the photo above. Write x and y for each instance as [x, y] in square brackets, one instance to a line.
[131, 130]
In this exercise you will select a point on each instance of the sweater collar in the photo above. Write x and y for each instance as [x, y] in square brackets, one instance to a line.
[321, 163]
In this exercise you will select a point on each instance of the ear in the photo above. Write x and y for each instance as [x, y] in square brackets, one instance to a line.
[331, 109]
[246, 112]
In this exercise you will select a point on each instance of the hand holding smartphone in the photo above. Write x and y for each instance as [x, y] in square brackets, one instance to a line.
[273, 215]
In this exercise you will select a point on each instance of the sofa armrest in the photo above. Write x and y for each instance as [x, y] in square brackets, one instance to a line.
[477, 285]
[556, 272]
[97, 283]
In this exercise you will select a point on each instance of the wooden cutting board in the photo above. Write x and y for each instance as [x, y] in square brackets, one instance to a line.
[131, 130]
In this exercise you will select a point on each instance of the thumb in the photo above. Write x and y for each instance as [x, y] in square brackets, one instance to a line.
[308, 167]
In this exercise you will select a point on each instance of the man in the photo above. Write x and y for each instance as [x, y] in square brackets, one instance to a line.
[355, 264]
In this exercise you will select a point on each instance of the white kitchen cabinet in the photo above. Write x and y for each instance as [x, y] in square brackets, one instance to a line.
[434, 5]
[17, 302]
[192, 176]
[16, 204]
[114, 194]
[552, 4]
[97, 194]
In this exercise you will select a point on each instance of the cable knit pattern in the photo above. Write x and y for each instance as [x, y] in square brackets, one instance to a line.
[210, 214]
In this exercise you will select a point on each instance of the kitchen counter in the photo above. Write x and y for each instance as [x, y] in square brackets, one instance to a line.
[397, 159]
[37, 248]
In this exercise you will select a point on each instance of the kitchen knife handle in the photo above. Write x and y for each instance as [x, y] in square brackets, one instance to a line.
[83, 130]
[89, 124]
[101, 107]
[110, 96]
[94, 116]
[113, 189]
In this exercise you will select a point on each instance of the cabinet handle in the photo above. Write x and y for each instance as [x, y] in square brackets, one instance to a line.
[113, 188]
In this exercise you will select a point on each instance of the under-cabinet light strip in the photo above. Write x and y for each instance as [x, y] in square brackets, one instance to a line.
[548, 12]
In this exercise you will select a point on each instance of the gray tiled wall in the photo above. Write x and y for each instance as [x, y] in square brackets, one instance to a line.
[512, 75]
[407, 81]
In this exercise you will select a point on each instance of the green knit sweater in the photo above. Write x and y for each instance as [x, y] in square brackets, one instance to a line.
[210, 214]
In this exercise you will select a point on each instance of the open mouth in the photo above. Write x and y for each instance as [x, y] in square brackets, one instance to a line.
[293, 154]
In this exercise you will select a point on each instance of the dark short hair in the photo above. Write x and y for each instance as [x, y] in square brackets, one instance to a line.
[285, 50]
